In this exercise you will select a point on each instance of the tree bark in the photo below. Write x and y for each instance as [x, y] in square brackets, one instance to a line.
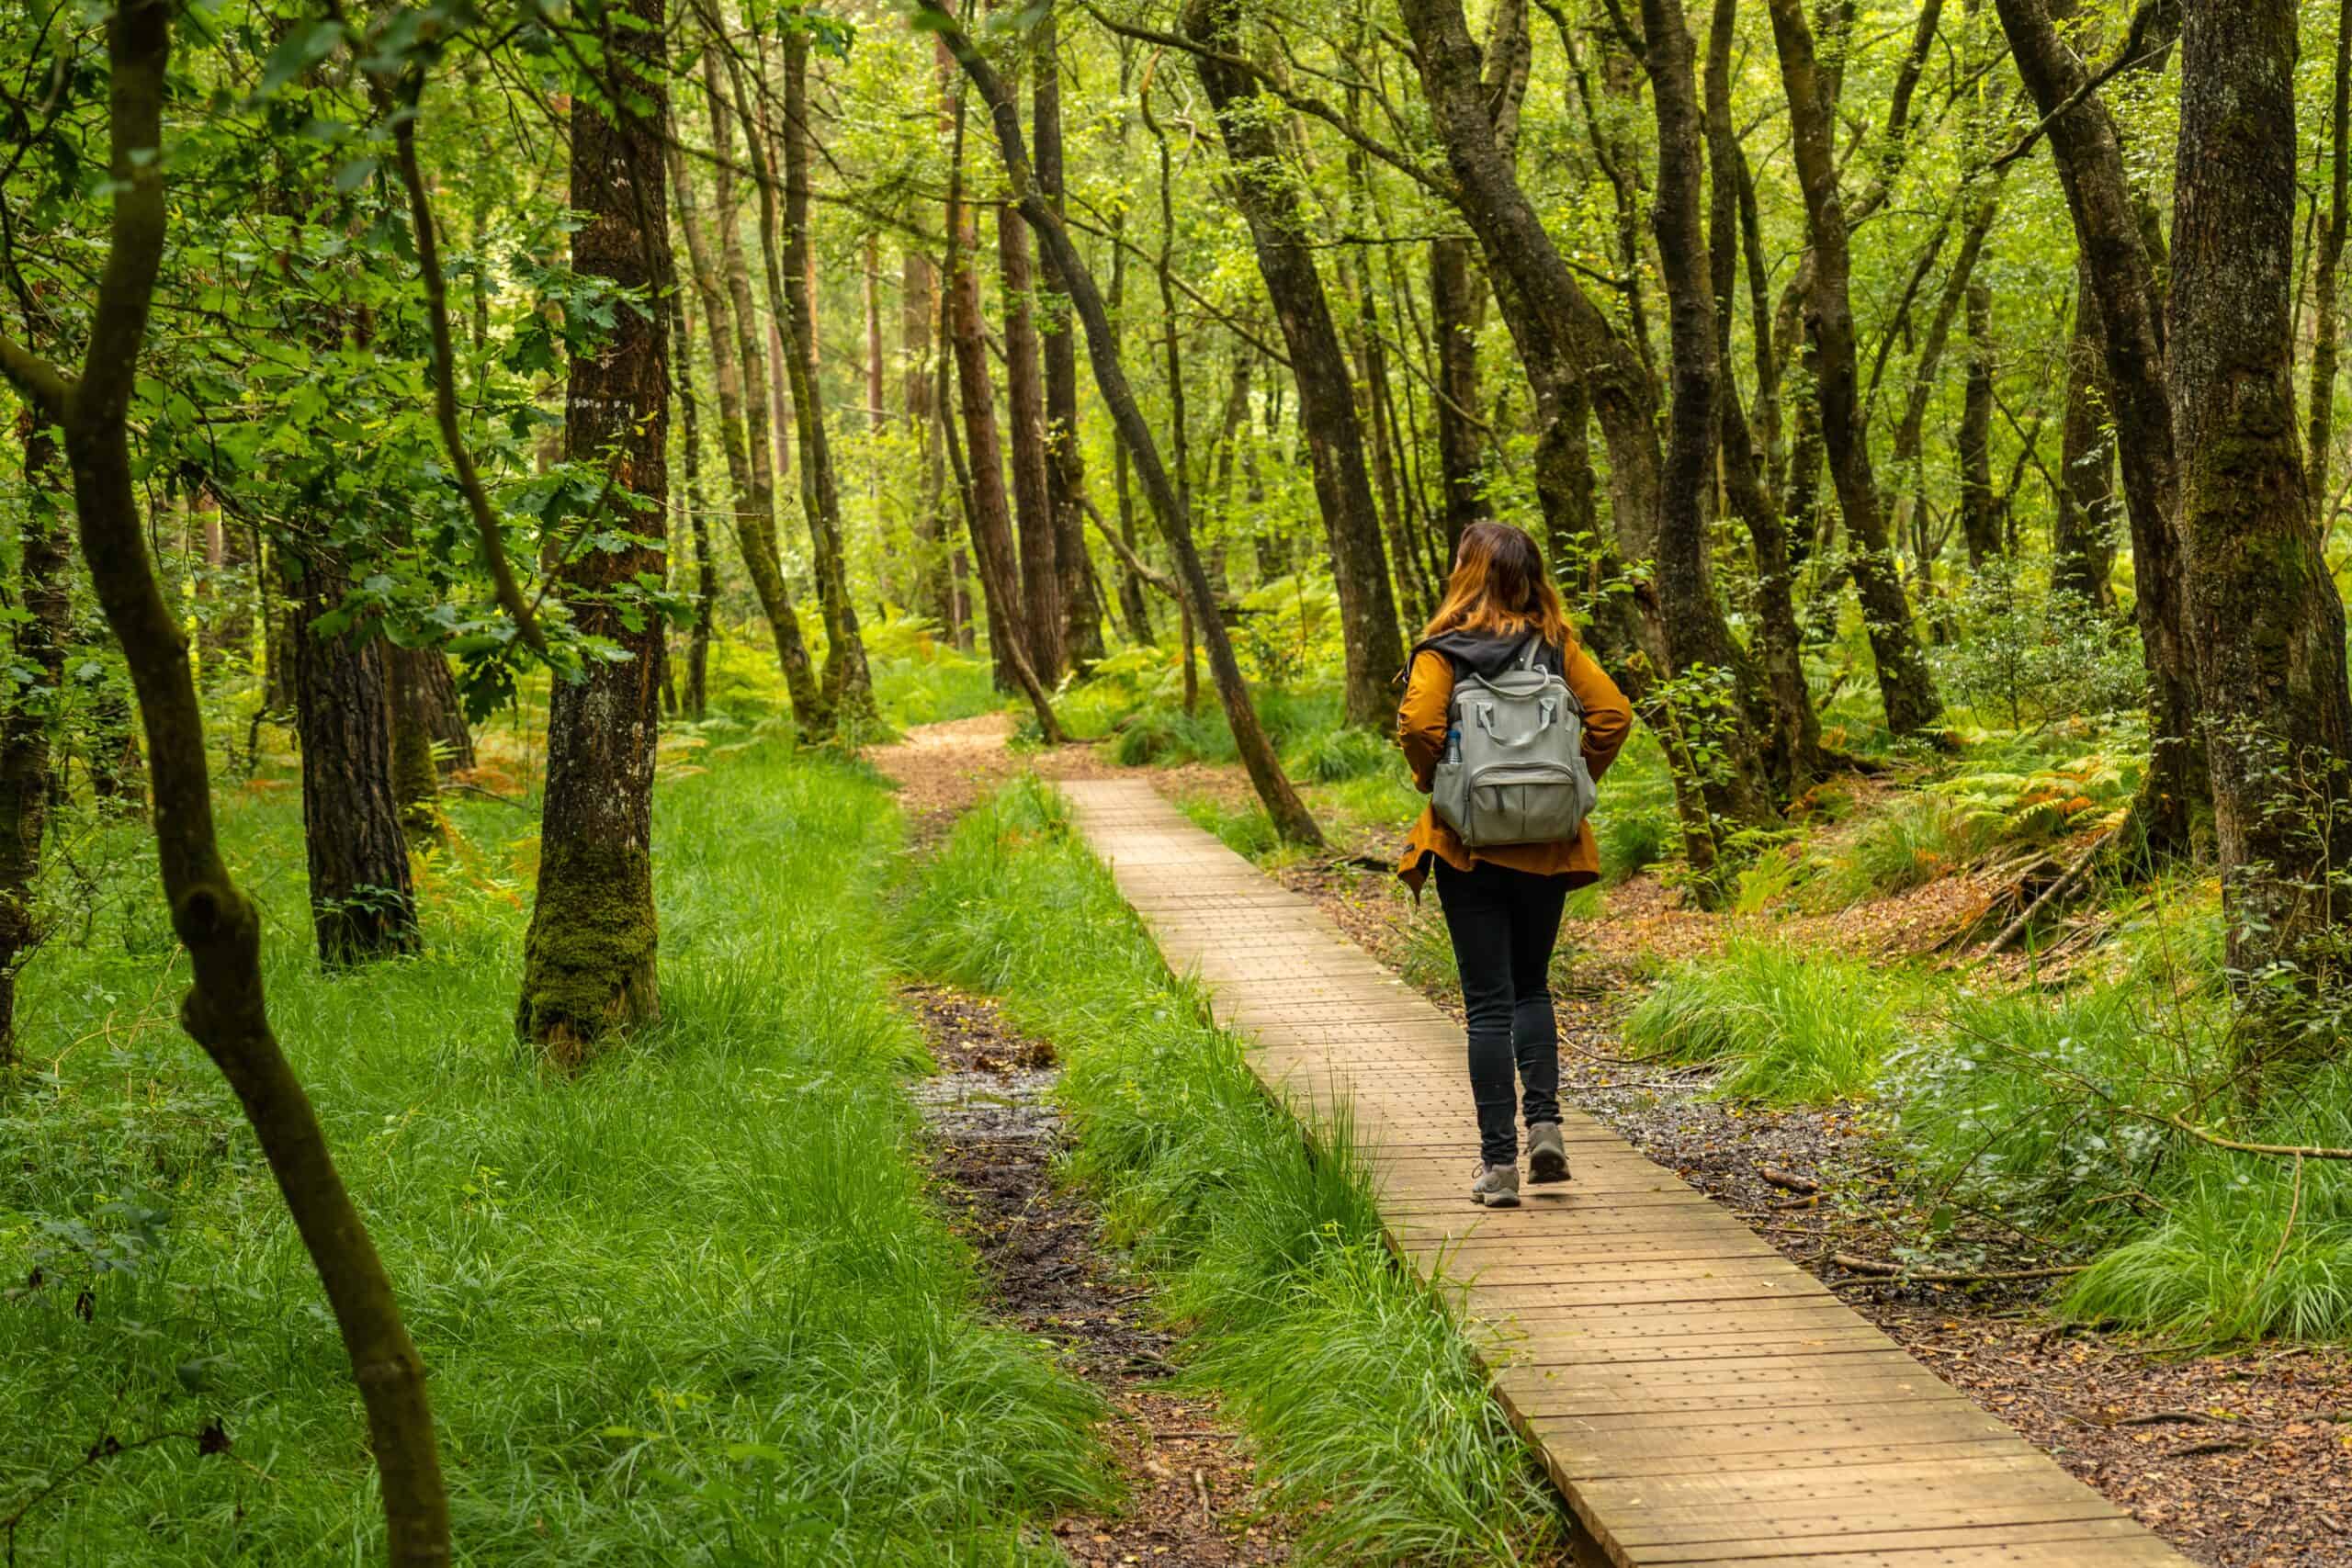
[986, 506]
[1791, 730]
[918, 331]
[2264, 613]
[1082, 604]
[589, 959]
[1456, 298]
[790, 271]
[2327, 329]
[1905, 689]
[1260, 181]
[1038, 613]
[1736, 785]
[695, 700]
[2173, 810]
[223, 1011]
[1288, 813]
[362, 904]
[1980, 509]
[2082, 530]
[28, 714]
[736, 371]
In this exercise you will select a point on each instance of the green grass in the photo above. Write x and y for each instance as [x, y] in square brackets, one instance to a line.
[2058, 1114]
[692, 1306]
[1786, 1027]
[1372, 1418]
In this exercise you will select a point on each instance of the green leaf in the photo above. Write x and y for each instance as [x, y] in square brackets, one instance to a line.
[298, 51]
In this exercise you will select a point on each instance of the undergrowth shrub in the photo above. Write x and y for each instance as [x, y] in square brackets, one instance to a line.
[1373, 1420]
[2078, 1119]
[1905, 846]
[1787, 1027]
[2025, 658]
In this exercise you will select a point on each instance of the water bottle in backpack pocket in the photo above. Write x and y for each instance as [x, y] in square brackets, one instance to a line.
[1513, 768]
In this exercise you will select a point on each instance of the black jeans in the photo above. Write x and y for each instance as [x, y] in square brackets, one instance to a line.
[1503, 923]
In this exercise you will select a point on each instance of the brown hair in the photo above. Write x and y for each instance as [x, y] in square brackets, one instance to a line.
[1500, 586]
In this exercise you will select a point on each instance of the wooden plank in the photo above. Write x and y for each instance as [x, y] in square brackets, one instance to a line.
[1700, 1400]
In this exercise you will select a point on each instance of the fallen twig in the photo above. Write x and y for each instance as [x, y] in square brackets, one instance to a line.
[1787, 1182]
[1880, 1267]
[2066, 879]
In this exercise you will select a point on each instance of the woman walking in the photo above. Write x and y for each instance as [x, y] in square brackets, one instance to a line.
[1501, 641]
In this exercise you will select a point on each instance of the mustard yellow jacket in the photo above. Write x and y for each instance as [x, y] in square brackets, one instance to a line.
[1421, 730]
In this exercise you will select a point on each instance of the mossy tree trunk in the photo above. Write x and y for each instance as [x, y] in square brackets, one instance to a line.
[2173, 813]
[589, 957]
[223, 1010]
[29, 715]
[2264, 613]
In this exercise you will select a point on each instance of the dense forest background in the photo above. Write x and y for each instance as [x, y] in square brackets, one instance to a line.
[1929, 412]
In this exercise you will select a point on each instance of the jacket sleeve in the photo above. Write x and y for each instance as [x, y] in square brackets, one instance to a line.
[1608, 718]
[1421, 718]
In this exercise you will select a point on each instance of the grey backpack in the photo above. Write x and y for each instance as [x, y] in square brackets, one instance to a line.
[1513, 769]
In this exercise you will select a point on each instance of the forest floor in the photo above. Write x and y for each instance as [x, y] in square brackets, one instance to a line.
[1190, 1484]
[2241, 1457]
[1191, 1494]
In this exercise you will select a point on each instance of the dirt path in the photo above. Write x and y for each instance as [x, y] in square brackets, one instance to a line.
[1192, 1491]
[1192, 1495]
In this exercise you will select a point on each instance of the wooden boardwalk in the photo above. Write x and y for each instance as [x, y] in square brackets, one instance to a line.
[1700, 1400]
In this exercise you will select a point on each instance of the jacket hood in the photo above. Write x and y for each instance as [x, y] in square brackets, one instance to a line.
[1487, 654]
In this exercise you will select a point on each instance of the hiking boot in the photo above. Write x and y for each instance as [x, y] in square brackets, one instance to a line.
[1547, 1153]
[1496, 1186]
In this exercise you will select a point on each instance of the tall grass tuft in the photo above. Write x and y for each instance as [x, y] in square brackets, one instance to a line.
[1786, 1027]
[1373, 1420]
[2071, 1117]
[693, 1305]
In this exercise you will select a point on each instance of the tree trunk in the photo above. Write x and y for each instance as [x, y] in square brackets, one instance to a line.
[1905, 688]
[743, 412]
[1134, 614]
[1039, 611]
[362, 904]
[918, 333]
[1082, 603]
[589, 958]
[223, 1010]
[1373, 645]
[29, 714]
[2327, 328]
[877, 412]
[695, 701]
[790, 271]
[1288, 813]
[986, 506]
[2083, 531]
[1456, 301]
[1791, 730]
[2264, 613]
[1575, 361]
[1980, 509]
[2173, 810]
[1700, 643]
[415, 773]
